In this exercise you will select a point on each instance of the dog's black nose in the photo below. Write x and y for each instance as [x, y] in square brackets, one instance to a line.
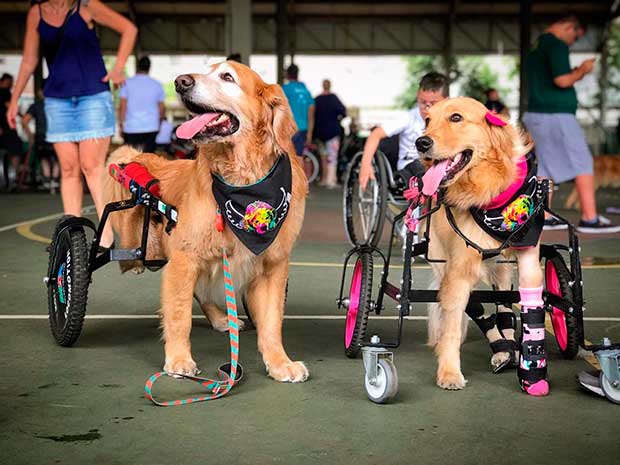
[423, 144]
[183, 83]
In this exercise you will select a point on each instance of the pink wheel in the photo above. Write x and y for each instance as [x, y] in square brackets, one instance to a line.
[359, 305]
[565, 326]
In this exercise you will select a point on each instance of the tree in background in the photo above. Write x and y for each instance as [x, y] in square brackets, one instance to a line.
[613, 65]
[417, 66]
[471, 75]
[475, 77]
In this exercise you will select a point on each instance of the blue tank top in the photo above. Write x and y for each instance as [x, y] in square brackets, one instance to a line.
[73, 58]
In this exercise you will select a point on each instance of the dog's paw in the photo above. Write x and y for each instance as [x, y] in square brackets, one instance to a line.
[138, 270]
[290, 372]
[451, 381]
[181, 366]
[221, 324]
[500, 359]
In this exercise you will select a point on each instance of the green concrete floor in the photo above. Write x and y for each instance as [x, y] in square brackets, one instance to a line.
[85, 404]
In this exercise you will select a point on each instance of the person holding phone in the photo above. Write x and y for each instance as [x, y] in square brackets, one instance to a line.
[560, 143]
[78, 103]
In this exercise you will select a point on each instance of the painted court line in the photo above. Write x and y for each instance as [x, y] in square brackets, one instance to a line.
[24, 229]
[286, 317]
[86, 210]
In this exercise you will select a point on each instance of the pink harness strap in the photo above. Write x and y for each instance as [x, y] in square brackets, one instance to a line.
[505, 196]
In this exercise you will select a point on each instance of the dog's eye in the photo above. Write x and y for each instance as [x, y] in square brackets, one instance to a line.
[227, 77]
[456, 118]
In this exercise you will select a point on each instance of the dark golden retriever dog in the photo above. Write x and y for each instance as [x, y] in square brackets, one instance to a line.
[606, 170]
[253, 128]
[483, 163]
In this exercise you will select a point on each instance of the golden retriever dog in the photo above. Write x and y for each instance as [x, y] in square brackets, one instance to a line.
[481, 160]
[250, 127]
[606, 170]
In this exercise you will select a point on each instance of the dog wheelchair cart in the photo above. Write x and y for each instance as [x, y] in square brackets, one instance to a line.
[72, 262]
[563, 297]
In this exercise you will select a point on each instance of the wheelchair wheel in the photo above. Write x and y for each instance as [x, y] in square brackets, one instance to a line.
[385, 386]
[68, 289]
[311, 165]
[359, 306]
[365, 210]
[566, 328]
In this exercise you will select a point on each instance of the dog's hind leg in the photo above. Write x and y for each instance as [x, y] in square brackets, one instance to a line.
[461, 275]
[266, 304]
[216, 316]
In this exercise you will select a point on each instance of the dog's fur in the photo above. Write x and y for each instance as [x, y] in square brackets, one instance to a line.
[495, 151]
[194, 247]
[606, 169]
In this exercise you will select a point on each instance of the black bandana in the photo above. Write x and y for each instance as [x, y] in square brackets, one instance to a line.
[520, 218]
[256, 212]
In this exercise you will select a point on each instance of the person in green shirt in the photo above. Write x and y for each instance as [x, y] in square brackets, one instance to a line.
[560, 143]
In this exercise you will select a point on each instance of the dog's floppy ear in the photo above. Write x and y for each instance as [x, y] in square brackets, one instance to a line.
[504, 139]
[282, 123]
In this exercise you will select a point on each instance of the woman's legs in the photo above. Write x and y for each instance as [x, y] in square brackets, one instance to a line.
[92, 161]
[70, 177]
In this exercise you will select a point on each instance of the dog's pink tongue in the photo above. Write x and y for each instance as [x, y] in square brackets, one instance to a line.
[433, 176]
[192, 127]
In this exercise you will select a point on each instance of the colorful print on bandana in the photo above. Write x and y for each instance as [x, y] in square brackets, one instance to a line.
[260, 217]
[517, 212]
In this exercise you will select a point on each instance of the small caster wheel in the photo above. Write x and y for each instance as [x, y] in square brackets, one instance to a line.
[384, 386]
[612, 393]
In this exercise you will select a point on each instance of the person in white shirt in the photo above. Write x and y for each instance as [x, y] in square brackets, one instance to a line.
[142, 108]
[433, 88]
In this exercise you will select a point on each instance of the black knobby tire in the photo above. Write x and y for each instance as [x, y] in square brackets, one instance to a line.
[568, 331]
[351, 202]
[357, 318]
[68, 291]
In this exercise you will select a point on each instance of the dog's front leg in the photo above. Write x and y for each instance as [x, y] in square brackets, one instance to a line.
[177, 290]
[532, 371]
[266, 302]
[454, 293]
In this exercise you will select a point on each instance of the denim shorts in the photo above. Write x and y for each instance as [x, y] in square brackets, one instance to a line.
[75, 119]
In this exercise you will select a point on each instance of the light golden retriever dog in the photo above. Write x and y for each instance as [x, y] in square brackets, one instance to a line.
[254, 127]
[483, 164]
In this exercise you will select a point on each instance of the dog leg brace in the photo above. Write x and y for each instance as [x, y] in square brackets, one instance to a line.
[492, 327]
[532, 371]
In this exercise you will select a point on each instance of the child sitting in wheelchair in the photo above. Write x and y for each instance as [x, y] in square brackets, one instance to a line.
[433, 88]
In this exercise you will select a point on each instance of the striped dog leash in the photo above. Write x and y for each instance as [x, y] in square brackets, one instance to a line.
[229, 373]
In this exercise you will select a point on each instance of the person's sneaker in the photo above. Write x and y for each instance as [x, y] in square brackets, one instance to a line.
[601, 225]
[553, 224]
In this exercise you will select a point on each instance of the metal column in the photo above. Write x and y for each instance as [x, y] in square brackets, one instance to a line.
[281, 36]
[239, 28]
[524, 47]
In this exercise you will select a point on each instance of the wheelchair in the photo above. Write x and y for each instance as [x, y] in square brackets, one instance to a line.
[563, 291]
[365, 211]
